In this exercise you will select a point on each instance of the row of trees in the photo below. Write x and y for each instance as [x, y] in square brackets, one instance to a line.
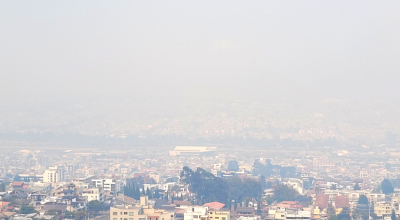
[135, 191]
[269, 169]
[209, 188]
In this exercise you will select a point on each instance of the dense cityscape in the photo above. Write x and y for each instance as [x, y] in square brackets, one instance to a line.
[195, 182]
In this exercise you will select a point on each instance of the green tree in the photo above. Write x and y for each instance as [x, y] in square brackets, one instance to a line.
[393, 216]
[333, 217]
[363, 200]
[69, 215]
[233, 165]
[2, 187]
[387, 187]
[17, 178]
[284, 193]
[209, 188]
[137, 193]
[156, 194]
[357, 187]
[27, 209]
[80, 215]
[344, 214]
[148, 193]
[95, 206]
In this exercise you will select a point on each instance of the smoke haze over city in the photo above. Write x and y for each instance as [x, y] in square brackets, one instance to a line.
[200, 110]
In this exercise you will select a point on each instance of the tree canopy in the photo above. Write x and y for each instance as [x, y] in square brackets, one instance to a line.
[363, 200]
[344, 214]
[387, 187]
[209, 188]
[357, 187]
[284, 193]
[269, 169]
[95, 206]
[233, 165]
[393, 216]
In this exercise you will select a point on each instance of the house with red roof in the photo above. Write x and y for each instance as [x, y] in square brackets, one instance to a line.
[214, 205]
[18, 185]
[4, 205]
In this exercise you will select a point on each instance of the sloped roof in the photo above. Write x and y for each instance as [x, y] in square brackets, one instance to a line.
[342, 202]
[6, 214]
[17, 183]
[322, 201]
[3, 203]
[214, 205]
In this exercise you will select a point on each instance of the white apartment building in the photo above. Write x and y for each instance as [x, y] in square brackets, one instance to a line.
[298, 215]
[109, 185]
[196, 213]
[53, 174]
[93, 194]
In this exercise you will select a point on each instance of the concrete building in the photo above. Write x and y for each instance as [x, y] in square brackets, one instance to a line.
[93, 194]
[382, 209]
[109, 185]
[298, 215]
[193, 151]
[196, 213]
[218, 215]
[53, 174]
[127, 212]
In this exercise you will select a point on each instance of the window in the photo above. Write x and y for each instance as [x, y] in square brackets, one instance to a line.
[130, 218]
[115, 213]
[125, 213]
[125, 219]
[282, 215]
[142, 218]
[216, 217]
[131, 213]
[223, 218]
[115, 218]
[210, 212]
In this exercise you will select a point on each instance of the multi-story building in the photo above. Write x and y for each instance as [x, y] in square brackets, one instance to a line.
[94, 194]
[109, 185]
[53, 174]
[376, 197]
[196, 213]
[298, 215]
[382, 209]
[127, 212]
[218, 215]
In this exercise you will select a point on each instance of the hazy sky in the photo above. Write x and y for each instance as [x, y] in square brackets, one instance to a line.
[245, 49]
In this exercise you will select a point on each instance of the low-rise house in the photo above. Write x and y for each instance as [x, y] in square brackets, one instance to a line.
[127, 212]
[6, 215]
[217, 214]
